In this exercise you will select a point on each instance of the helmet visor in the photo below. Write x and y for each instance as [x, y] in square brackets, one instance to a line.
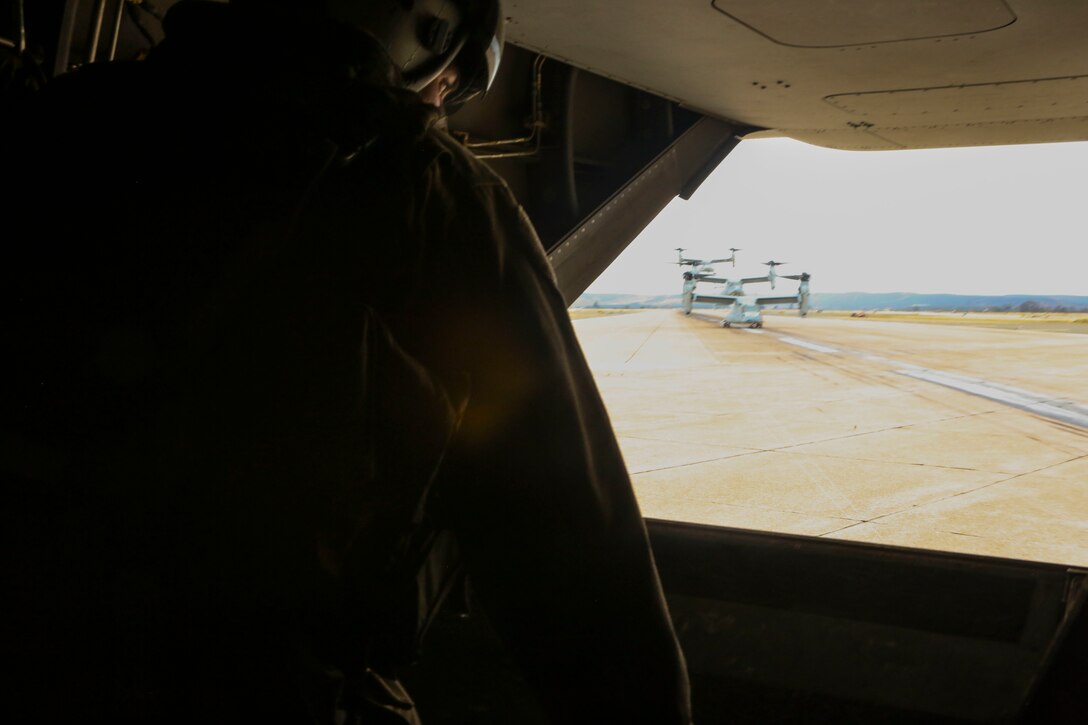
[478, 62]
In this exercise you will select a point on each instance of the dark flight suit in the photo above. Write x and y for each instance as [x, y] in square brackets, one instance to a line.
[266, 215]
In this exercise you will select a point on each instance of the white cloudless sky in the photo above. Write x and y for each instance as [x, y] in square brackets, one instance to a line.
[986, 220]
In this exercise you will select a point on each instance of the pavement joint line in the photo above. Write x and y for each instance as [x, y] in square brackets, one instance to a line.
[897, 463]
[643, 343]
[844, 528]
[1055, 446]
[876, 519]
[870, 432]
[732, 504]
[988, 485]
[1074, 459]
[786, 448]
[746, 449]
[854, 522]
[693, 463]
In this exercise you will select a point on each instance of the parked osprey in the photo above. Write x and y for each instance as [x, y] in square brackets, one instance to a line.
[744, 309]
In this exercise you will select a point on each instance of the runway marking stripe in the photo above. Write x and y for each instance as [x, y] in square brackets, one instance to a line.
[888, 361]
[807, 345]
[1044, 405]
[754, 332]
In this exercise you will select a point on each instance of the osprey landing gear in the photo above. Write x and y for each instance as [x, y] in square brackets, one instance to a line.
[724, 323]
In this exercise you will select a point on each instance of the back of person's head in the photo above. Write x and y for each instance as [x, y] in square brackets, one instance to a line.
[421, 37]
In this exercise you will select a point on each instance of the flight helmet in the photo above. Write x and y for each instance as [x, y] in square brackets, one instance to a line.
[424, 37]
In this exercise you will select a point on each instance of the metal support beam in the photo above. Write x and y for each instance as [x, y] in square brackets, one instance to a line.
[96, 30]
[692, 185]
[64, 41]
[581, 256]
[118, 18]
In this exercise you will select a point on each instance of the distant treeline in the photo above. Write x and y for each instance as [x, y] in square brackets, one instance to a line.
[875, 301]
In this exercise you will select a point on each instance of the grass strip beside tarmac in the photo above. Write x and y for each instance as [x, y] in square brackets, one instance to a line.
[583, 313]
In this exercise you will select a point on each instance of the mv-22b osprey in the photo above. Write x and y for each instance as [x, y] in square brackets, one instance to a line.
[744, 309]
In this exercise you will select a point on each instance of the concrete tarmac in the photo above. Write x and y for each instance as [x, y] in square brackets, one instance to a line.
[941, 437]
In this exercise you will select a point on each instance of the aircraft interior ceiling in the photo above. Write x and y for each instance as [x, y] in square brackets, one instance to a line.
[849, 74]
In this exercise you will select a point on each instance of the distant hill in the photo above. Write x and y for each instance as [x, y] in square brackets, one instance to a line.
[872, 301]
[908, 300]
[609, 301]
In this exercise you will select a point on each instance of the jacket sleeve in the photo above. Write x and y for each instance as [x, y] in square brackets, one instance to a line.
[542, 504]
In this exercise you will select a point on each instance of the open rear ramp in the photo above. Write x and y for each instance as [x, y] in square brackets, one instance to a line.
[780, 628]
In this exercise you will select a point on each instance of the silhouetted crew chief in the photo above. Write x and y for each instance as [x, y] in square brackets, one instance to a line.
[294, 252]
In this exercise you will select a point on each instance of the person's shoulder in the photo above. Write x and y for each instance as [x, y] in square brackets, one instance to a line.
[476, 183]
[460, 162]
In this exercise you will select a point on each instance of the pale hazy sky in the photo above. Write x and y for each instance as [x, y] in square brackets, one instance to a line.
[990, 220]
